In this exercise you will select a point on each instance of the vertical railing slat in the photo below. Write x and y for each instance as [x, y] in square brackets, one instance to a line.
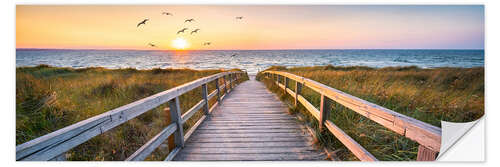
[175, 117]
[324, 111]
[218, 89]
[204, 94]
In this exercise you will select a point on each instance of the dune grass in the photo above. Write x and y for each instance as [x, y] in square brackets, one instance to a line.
[50, 98]
[429, 95]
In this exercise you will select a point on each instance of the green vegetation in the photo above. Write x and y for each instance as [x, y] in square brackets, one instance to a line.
[429, 95]
[50, 98]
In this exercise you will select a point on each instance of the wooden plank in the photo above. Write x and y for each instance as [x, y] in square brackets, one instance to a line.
[152, 144]
[240, 135]
[188, 114]
[314, 112]
[251, 157]
[350, 143]
[218, 131]
[426, 154]
[173, 153]
[193, 128]
[250, 145]
[269, 150]
[247, 139]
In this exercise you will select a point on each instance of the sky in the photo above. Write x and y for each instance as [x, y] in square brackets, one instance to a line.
[262, 27]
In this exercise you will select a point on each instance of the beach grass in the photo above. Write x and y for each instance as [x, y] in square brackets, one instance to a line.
[429, 95]
[50, 98]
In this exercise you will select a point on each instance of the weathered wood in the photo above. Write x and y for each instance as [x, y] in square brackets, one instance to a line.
[193, 128]
[173, 153]
[350, 143]
[324, 111]
[204, 95]
[188, 114]
[298, 90]
[54, 144]
[286, 84]
[252, 157]
[423, 133]
[217, 89]
[175, 117]
[152, 144]
[168, 121]
[426, 154]
[255, 125]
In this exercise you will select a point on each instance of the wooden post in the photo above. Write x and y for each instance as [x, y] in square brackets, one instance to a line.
[225, 85]
[324, 111]
[426, 154]
[286, 83]
[168, 120]
[175, 117]
[218, 89]
[204, 95]
[277, 79]
[230, 82]
[298, 89]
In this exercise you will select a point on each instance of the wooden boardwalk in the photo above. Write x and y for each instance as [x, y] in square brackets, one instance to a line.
[250, 124]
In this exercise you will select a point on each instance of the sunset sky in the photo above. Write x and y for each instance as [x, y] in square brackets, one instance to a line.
[263, 27]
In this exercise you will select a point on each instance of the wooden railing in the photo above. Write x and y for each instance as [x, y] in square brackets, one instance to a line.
[428, 136]
[53, 146]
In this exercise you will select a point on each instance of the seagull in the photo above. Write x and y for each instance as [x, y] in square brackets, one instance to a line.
[188, 20]
[239, 17]
[184, 29]
[195, 31]
[142, 22]
[207, 43]
[167, 13]
[152, 45]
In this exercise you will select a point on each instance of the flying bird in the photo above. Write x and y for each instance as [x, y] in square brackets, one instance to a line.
[167, 13]
[207, 43]
[195, 31]
[142, 22]
[181, 31]
[188, 20]
[152, 45]
[239, 17]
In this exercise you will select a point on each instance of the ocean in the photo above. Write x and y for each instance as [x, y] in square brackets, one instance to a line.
[251, 60]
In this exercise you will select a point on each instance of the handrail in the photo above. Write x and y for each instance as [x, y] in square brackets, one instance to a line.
[54, 144]
[428, 136]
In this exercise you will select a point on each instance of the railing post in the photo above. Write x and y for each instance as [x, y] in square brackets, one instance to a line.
[168, 121]
[286, 83]
[324, 111]
[218, 89]
[225, 84]
[175, 117]
[426, 154]
[298, 89]
[204, 94]
[277, 79]
[230, 82]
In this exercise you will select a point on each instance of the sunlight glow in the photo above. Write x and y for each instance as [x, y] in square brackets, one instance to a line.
[180, 43]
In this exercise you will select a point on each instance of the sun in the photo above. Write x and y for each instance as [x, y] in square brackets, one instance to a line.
[180, 43]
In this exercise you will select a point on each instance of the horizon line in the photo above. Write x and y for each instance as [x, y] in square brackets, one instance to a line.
[249, 49]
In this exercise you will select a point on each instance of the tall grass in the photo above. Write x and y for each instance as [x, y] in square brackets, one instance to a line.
[429, 95]
[50, 98]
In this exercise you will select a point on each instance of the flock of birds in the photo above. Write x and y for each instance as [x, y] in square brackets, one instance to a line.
[183, 30]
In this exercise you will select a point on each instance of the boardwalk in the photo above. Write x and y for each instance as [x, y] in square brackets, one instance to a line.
[251, 124]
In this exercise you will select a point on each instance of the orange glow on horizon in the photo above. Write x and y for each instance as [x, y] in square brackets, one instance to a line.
[263, 27]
